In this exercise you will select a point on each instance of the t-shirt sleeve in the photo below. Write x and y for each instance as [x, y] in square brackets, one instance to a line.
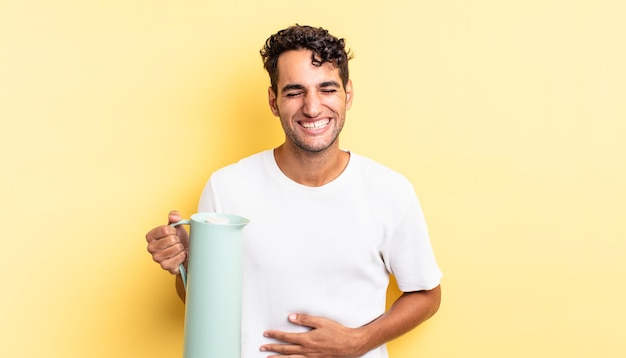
[208, 200]
[408, 253]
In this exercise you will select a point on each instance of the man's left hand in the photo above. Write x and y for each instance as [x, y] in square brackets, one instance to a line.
[326, 339]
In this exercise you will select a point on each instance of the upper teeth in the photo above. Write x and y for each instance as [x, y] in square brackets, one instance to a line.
[316, 125]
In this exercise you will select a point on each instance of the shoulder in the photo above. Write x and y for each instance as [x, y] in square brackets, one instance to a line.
[246, 166]
[389, 192]
[370, 170]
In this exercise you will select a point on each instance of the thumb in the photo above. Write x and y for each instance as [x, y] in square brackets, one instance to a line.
[173, 217]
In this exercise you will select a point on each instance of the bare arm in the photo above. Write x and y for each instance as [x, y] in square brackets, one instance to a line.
[330, 339]
[180, 288]
[406, 313]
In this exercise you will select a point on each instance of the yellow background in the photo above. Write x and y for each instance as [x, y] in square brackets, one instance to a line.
[508, 116]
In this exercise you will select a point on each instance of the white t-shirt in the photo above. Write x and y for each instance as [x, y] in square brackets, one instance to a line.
[325, 251]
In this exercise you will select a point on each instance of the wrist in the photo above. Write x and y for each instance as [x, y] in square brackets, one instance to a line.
[363, 340]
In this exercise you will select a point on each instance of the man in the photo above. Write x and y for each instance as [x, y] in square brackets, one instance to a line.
[327, 226]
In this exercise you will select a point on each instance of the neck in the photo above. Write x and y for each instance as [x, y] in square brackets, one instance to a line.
[311, 169]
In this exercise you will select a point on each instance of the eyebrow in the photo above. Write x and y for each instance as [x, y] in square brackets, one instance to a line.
[330, 84]
[293, 87]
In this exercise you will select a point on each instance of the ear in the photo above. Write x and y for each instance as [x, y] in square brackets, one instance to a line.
[271, 99]
[349, 94]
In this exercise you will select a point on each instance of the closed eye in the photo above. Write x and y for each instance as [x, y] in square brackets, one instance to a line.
[292, 90]
[329, 87]
[292, 94]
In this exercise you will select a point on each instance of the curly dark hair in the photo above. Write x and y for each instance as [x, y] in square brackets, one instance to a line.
[325, 47]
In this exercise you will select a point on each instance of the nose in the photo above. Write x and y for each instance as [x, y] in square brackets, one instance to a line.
[312, 106]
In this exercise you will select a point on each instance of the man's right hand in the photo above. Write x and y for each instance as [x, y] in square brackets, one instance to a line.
[169, 245]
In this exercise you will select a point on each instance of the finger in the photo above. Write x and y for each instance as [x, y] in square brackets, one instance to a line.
[164, 242]
[173, 217]
[172, 264]
[285, 337]
[160, 232]
[165, 248]
[283, 349]
[305, 320]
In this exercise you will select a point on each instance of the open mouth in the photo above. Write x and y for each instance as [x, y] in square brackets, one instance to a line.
[315, 125]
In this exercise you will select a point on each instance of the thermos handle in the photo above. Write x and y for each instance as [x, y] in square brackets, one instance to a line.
[181, 267]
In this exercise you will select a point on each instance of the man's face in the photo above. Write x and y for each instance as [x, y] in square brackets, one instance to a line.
[311, 101]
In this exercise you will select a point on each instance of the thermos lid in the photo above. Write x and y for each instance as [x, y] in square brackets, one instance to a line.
[217, 220]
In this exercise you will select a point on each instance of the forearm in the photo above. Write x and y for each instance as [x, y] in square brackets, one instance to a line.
[406, 313]
[180, 288]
